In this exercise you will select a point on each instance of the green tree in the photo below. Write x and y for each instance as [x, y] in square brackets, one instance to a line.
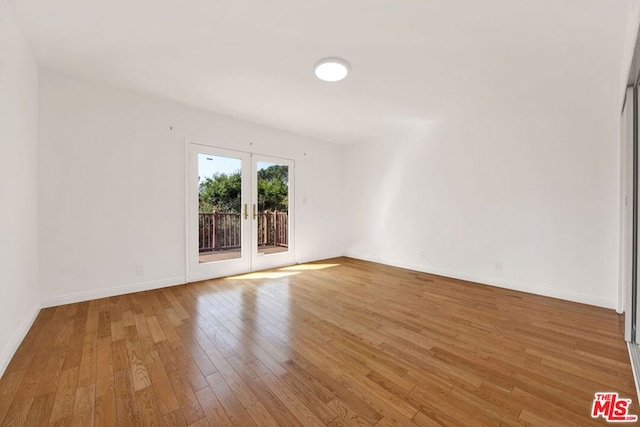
[273, 188]
[222, 192]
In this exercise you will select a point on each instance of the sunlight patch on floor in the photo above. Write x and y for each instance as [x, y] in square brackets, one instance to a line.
[308, 267]
[263, 275]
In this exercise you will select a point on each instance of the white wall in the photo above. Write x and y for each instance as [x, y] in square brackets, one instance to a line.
[112, 187]
[18, 186]
[531, 188]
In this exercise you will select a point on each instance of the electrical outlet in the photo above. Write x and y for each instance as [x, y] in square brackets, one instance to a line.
[423, 254]
[497, 265]
[140, 270]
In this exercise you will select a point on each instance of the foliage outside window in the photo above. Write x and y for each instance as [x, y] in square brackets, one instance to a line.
[222, 192]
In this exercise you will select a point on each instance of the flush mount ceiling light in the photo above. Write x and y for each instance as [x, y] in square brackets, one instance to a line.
[332, 69]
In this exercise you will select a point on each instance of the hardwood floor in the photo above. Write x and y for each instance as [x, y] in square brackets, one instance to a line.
[339, 342]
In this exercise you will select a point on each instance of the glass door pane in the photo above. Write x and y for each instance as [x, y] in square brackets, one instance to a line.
[273, 196]
[273, 208]
[219, 208]
[219, 226]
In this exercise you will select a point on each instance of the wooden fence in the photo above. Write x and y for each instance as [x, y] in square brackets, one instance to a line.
[220, 231]
[273, 229]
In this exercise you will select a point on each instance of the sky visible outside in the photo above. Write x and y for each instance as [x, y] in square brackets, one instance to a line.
[209, 164]
[264, 165]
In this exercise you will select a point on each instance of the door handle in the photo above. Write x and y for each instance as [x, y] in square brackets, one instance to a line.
[255, 215]
[246, 211]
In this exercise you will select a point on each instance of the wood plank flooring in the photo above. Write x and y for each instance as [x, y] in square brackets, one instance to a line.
[339, 343]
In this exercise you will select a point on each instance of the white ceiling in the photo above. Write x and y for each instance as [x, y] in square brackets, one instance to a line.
[412, 60]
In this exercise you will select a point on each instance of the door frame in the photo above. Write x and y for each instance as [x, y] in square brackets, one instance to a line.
[628, 206]
[251, 245]
[195, 270]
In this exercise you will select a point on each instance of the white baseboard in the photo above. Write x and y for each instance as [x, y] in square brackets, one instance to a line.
[9, 350]
[491, 281]
[18, 336]
[74, 297]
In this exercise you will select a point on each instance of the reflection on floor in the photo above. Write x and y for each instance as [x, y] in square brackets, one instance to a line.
[235, 253]
[338, 342]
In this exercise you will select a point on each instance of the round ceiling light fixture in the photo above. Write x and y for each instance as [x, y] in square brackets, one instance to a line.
[332, 69]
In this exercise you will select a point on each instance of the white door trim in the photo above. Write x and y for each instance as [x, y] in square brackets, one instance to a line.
[202, 271]
[193, 270]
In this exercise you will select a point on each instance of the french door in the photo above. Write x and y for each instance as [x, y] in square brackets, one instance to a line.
[240, 215]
